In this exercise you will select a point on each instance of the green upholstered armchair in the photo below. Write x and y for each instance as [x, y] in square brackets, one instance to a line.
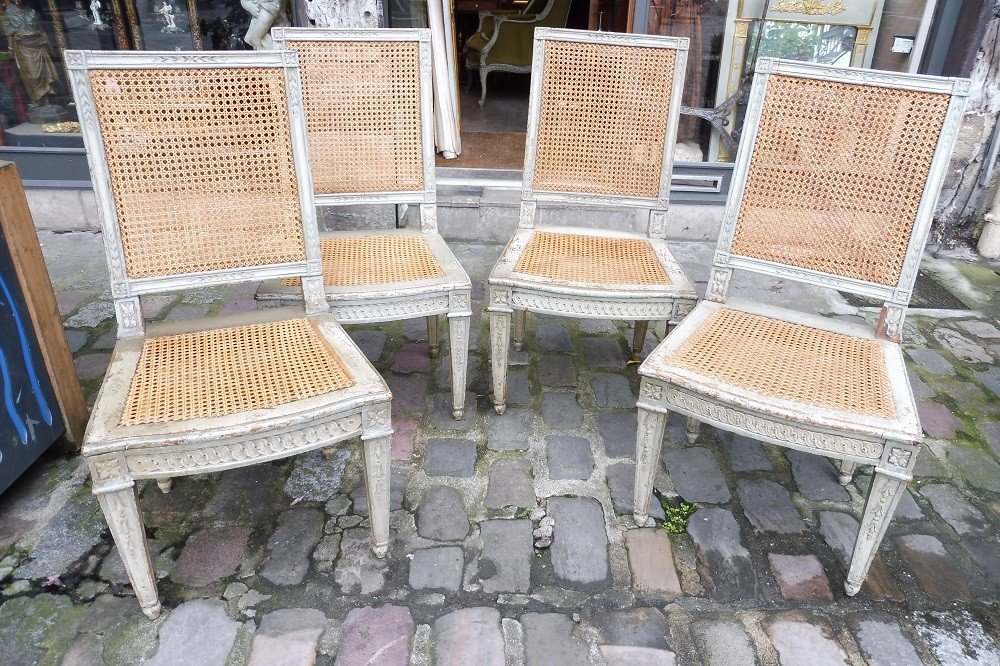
[504, 40]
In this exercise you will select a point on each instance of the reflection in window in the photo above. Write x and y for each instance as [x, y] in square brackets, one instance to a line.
[809, 42]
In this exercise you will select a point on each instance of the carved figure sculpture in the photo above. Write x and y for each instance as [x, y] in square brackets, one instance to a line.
[264, 15]
[30, 49]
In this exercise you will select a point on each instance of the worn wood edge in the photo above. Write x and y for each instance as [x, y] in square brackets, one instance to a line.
[39, 297]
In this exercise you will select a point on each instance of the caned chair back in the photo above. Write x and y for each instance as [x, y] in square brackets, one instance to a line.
[369, 112]
[200, 168]
[603, 116]
[838, 174]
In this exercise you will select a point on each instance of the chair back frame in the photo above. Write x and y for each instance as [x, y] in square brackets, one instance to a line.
[895, 297]
[126, 290]
[427, 197]
[530, 196]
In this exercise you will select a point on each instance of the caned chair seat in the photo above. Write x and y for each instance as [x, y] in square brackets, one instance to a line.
[571, 260]
[369, 265]
[223, 379]
[798, 368]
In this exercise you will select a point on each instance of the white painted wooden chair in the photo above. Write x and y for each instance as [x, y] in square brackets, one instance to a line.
[835, 185]
[369, 112]
[201, 173]
[602, 125]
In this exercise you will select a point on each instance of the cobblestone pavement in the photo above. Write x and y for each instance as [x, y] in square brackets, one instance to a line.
[270, 564]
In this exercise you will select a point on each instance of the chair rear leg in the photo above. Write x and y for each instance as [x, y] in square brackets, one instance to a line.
[165, 485]
[500, 343]
[883, 496]
[847, 469]
[693, 428]
[121, 510]
[519, 329]
[639, 339]
[432, 335]
[377, 455]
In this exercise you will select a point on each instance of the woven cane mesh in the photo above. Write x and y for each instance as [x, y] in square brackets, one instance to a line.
[363, 260]
[597, 259]
[789, 361]
[362, 102]
[230, 371]
[201, 167]
[836, 176]
[603, 118]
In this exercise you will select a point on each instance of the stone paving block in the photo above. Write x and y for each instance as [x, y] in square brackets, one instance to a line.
[199, 627]
[800, 577]
[505, 563]
[315, 477]
[928, 465]
[437, 568]
[921, 390]
[448, 456]
[883, 643]
[288, 636]
[371, 343]
[26, 623]
[627, 655]
[580, 543]
[211, 554]
[509, 431]
[397, 482]
[696, 475]
[975, 466]
[556, 371]
[991, 431]
[74, 530]
[518, 389]
[404, 432]
[955, 509]
[91, 315]
[802, 644]
[510, 484]
[937, 420]
[636, 627]
[415, 329]
[603, 353]
[561, 411]
[246, 495]
[91, 366]
[723, 643]
[469, 636]
[553, 337]
[816, 477]
[746, 455]
[931, 361]
[651, 559]
[441, 515]
[376, 636]
[86, 650]
[956, 638]
[985, 553]
[410, 358]
[408, 393]
[936, 570]
[471, 373]
[569, 457]
[358, 571]
[621, 483]
[769, 507]
[618, 433]
[612, 391]
[76, 340]
[717, 535]
[549, 638]
[442, 416]
[298, 531]
[597, 326]
[991, 380]
[960, 346]
[981, 329]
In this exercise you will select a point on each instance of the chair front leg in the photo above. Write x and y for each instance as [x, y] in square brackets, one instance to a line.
[639, 339]
[883, 496]
[377, 455]
[499, 342]
[121, 510]
[649, 441]
[519, 329]
[458, 330]
[432, 335]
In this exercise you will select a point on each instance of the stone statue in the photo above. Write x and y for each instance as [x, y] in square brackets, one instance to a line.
[264, 15]
[30, 48]
[166, 10]
[95, 9]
